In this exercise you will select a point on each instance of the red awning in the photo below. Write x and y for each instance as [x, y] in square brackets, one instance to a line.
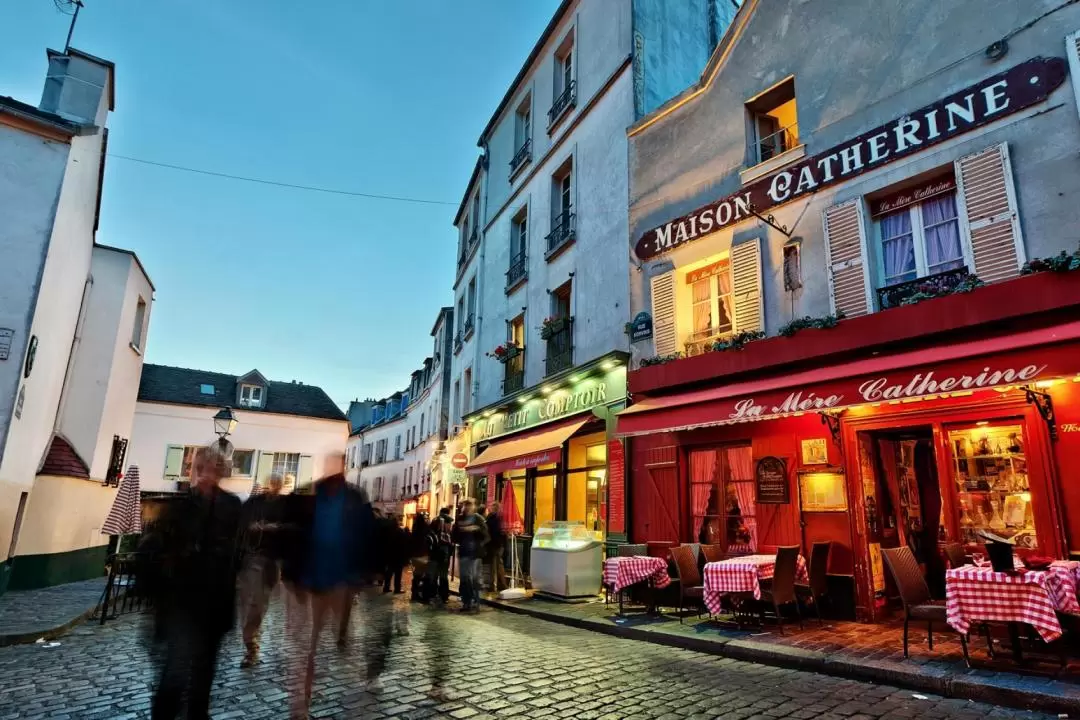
[542, 447]
[1014, 359]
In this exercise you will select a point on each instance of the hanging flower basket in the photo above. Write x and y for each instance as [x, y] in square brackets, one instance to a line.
[552, 325]
[505, 353]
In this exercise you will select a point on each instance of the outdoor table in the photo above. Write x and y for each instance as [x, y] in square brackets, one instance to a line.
[622, 572]
[1032, 597]
[742, 575]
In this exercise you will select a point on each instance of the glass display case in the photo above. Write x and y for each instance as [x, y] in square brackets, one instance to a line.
[565, 560]
[992, 483]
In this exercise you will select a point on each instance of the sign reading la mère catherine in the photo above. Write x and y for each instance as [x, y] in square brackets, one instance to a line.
[996, 97]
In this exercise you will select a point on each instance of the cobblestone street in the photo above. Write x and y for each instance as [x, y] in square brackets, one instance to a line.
[498, 665]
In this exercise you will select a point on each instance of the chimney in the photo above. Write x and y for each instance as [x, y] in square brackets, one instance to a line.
[78, 87]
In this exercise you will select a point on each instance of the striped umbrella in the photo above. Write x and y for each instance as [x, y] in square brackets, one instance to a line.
[125, 517]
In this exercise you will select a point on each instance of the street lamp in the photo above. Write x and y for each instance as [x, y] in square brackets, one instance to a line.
[224, 423]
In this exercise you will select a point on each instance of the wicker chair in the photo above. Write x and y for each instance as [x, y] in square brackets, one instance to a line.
[782, 589]
[955, 555]
[915, 595]
[713, 553]
[818, 586]
[633, 550]
[690, 585]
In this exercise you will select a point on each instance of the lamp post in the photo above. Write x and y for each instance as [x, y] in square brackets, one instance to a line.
[224, 424]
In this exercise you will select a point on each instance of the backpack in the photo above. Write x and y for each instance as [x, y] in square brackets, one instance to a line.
[440, 532]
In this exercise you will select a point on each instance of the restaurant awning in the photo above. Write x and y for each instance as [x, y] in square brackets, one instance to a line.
[541, 447]
[959, 368]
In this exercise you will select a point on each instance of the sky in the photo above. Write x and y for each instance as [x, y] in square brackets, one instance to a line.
[373, 96]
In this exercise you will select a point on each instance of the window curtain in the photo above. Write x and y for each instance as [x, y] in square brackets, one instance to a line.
[702, 482]
[741, 462]
[898, 246]
[942, 234]
[723, 286]
[702, 306]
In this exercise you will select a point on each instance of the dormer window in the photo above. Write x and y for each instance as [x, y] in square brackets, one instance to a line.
[251, 396]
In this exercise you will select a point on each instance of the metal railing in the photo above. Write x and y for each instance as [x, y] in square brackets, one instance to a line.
[518, 269]
[522, 156]
[457, 343]
[892, 296]
[514, 374]
[566, 100]
[563, 229]
[779, 142]
[468, 326]
[560, 348]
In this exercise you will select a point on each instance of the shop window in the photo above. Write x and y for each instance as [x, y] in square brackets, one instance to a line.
[710, 297]
[517, 480]
[920, 240]
[722, 498]
[992, 483]
[543, 500]
[586, 491]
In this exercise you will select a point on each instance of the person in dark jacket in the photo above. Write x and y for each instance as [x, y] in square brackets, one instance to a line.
[190, 573]
[471, 536]
[442, 549]
[260, 568]
[496, 548]
[395, 551]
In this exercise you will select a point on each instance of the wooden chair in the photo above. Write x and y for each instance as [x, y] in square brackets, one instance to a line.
[955, 555]
[782, 590]
[915, 595]
[818, 586]
[712, 553]
[690, 585]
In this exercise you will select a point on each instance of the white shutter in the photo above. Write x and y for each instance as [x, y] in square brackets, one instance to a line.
[663, 311]
[746, 286]
[174, 461]
[307, 468]
[1072, 52]
[984, 180]
[845, 258]
[265, 467]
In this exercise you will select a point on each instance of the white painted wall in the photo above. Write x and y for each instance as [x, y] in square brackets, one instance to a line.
[394, 467]
[158, 425]
[64, 514]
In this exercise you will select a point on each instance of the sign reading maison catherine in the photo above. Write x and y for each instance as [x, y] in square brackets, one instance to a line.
[585, 395]
[1003, 94]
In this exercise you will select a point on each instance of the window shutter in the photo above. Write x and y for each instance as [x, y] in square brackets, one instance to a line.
[746, 286]
[985, 185]
[663, 311]
[174, 461]
[266, 466]
[845, 257]
[1072, 52]
[307, 468]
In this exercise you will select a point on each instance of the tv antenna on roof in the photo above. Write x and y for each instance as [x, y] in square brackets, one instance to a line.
[69, 7]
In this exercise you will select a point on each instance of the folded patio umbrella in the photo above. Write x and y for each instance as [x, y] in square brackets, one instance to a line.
[512, 526]
[125, 516]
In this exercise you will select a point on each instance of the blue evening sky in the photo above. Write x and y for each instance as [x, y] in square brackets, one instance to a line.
[374, 96]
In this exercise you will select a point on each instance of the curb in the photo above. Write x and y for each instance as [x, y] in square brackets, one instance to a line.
[965, 687]
[28, 638]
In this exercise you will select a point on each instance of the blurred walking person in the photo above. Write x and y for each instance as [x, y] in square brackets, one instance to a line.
[330, 557]
[420, 552]
[259, 569]
[471, 536]
[442, 550]
[190, 572]
[395, 552]
[496, 548]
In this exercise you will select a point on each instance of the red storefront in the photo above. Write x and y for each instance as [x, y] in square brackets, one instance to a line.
[921, 425]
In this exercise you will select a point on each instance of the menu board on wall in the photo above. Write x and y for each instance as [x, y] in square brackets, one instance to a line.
[616, 487]
[772, 482]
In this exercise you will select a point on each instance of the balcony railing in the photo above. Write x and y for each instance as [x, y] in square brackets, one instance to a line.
[467, 328]
[457, 343]
[522, 156]
[514, 374]
[560, 348]
[566, 100]
[474, 236]
[894, 295]
[563, 230]
[779, 142]
[518, 269]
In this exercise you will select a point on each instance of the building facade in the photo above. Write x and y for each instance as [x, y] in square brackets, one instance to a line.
[288, 428]
[74, 317]
[378, 452]
[844, 336]
[542, 228]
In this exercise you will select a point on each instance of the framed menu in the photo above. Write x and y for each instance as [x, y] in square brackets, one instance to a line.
[772, 481]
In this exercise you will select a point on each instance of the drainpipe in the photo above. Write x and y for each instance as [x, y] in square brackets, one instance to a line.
[481, 274]
[75, 342]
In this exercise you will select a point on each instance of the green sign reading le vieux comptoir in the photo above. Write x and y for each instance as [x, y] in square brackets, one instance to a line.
[594, 391]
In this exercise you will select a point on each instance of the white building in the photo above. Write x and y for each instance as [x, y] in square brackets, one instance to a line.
[376, 454]
[286, 427]
[73, 324]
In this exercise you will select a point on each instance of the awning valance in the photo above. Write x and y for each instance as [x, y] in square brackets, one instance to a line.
[1015, 359]
[542, 447]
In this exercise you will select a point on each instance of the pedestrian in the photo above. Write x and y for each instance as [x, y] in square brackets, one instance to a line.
[420, 551]
[471, 536]
[442, 549]
[496, 548]
[260, 570]
[330, 557]
[190, 574]
[395, 552]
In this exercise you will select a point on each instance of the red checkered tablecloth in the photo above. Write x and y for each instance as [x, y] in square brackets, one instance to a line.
[621, 572]
[742, 574]
[1033, 597]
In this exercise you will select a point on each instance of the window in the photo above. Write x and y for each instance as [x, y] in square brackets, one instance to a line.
[560, 300]
[920, 240]
[523, 123]
[461, 316]
[472, 306]
[365, 457]
[475, 218]
[188, 462]
[243, 463]
[457, 402]
[722, 498]
[559, 332]
[397, 447]
[422, 436]
[710, 289]
[467, 382]
[251, 395]
[775, 122]
[519, 243]
[287, 465]
[205, 389]
[564, 93]
[140, 323]
[562, 205]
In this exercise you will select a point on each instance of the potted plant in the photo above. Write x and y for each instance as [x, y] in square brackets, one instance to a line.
[505, 353]
[552, 325]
